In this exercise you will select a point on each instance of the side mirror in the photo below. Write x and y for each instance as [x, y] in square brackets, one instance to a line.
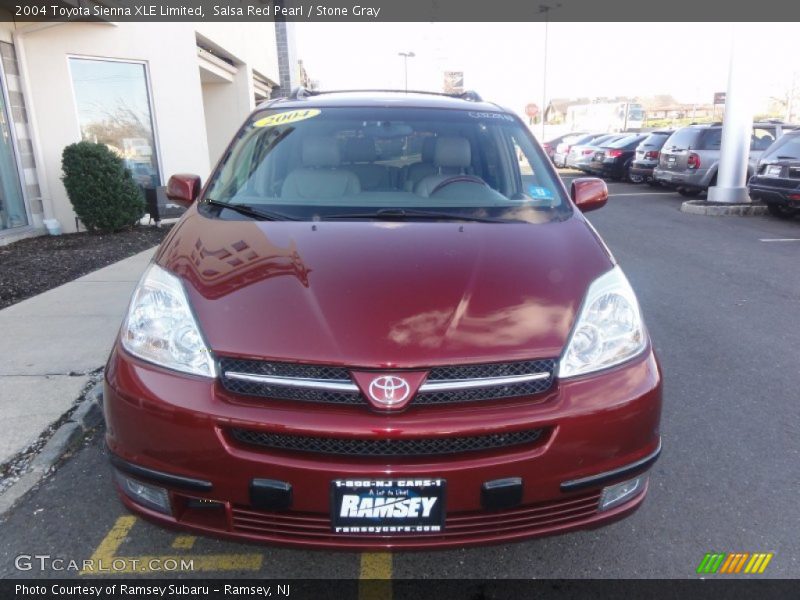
[589, 193]
[183, 189]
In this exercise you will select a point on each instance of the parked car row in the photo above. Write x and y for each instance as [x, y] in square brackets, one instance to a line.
[690, 157]
[605, 154]
[687, 159]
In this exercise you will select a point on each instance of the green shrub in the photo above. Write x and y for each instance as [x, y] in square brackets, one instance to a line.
[100, 188]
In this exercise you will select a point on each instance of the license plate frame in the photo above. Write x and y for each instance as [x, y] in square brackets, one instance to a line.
[773, 171]
[385, 517]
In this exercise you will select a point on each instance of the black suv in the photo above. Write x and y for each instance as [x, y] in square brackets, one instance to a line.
[777, 179]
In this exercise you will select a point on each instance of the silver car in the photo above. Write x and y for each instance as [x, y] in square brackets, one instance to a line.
[581, 155]
[562, 149]
[690, 157]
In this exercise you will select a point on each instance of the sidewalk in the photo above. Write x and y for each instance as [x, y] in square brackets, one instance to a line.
[51, 343]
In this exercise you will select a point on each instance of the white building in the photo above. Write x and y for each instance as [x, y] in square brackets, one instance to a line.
[166, 96]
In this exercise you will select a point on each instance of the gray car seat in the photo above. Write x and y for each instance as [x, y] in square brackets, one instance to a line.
[416, 172]
[320, 176]
[452, 156]
[360, 154]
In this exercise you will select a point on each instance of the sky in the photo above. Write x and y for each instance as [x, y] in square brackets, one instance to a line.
[504, 62]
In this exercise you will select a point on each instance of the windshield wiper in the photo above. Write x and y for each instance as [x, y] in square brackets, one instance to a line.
[254, 213]
[413, 213]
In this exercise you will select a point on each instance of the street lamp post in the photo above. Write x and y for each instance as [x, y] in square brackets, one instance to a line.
[406, 56]
[545, 9]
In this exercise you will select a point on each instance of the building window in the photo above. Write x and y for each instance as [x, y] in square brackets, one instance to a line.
[12, 205]
[113, 99]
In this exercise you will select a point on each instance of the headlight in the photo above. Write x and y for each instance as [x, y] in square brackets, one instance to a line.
[160, 327]
[609, 329]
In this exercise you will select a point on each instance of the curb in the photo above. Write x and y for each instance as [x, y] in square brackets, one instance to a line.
[702, 207]
[84, 417]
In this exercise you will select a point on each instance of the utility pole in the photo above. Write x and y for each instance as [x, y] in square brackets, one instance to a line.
[546, 10]
[406, 56]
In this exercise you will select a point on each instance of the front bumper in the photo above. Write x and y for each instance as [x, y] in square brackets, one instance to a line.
[162, 425]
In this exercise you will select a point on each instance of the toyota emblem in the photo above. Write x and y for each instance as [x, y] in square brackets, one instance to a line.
[389, 390]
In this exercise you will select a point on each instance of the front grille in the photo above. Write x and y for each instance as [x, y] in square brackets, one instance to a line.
[407, 447]
[342, 375]
[281, 392]
[529, 520]
[487, 371]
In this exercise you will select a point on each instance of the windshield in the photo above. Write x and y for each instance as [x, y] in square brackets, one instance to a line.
[655, 140]
[340, 162]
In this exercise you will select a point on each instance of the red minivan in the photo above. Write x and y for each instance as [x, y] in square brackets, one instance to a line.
[383, 323]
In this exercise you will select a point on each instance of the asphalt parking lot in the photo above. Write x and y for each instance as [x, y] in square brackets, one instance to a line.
[721, 298]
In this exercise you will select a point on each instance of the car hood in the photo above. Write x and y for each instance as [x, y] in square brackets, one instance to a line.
[384, 294]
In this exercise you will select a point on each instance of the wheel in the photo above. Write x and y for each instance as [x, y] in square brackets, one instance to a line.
[689, 192]
[635, 178]
[781, 211]
[653, 183]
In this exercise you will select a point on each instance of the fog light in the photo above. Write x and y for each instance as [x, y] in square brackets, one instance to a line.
[145, 494]
[614, 495]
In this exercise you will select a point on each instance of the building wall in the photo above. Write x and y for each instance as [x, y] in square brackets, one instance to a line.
[250, 43]
[192, 121]
[288, 67]
[175, 91]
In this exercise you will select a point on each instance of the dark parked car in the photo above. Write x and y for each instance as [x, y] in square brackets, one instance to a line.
[646, 157]
[550, 147]
[777, 179]
[614, 160]
[315, 360]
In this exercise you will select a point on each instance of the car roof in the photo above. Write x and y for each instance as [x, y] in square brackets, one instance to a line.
[383, 99]
[718, 125]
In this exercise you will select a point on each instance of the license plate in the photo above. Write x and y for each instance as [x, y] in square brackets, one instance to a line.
[671, 159]
[774, 171]
[387, 506]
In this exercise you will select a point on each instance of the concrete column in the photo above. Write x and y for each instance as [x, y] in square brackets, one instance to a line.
[737, 129]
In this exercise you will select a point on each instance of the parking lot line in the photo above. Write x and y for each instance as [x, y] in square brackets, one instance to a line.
[376, 565]
[106, 561]
[613, 194]
[183, 542]
[375, 577]
[107, 549]
[779, 240]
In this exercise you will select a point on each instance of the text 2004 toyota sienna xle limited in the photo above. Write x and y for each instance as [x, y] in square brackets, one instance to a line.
[383, 323]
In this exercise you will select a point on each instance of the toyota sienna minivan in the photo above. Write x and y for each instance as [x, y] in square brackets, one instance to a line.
[383, 322]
